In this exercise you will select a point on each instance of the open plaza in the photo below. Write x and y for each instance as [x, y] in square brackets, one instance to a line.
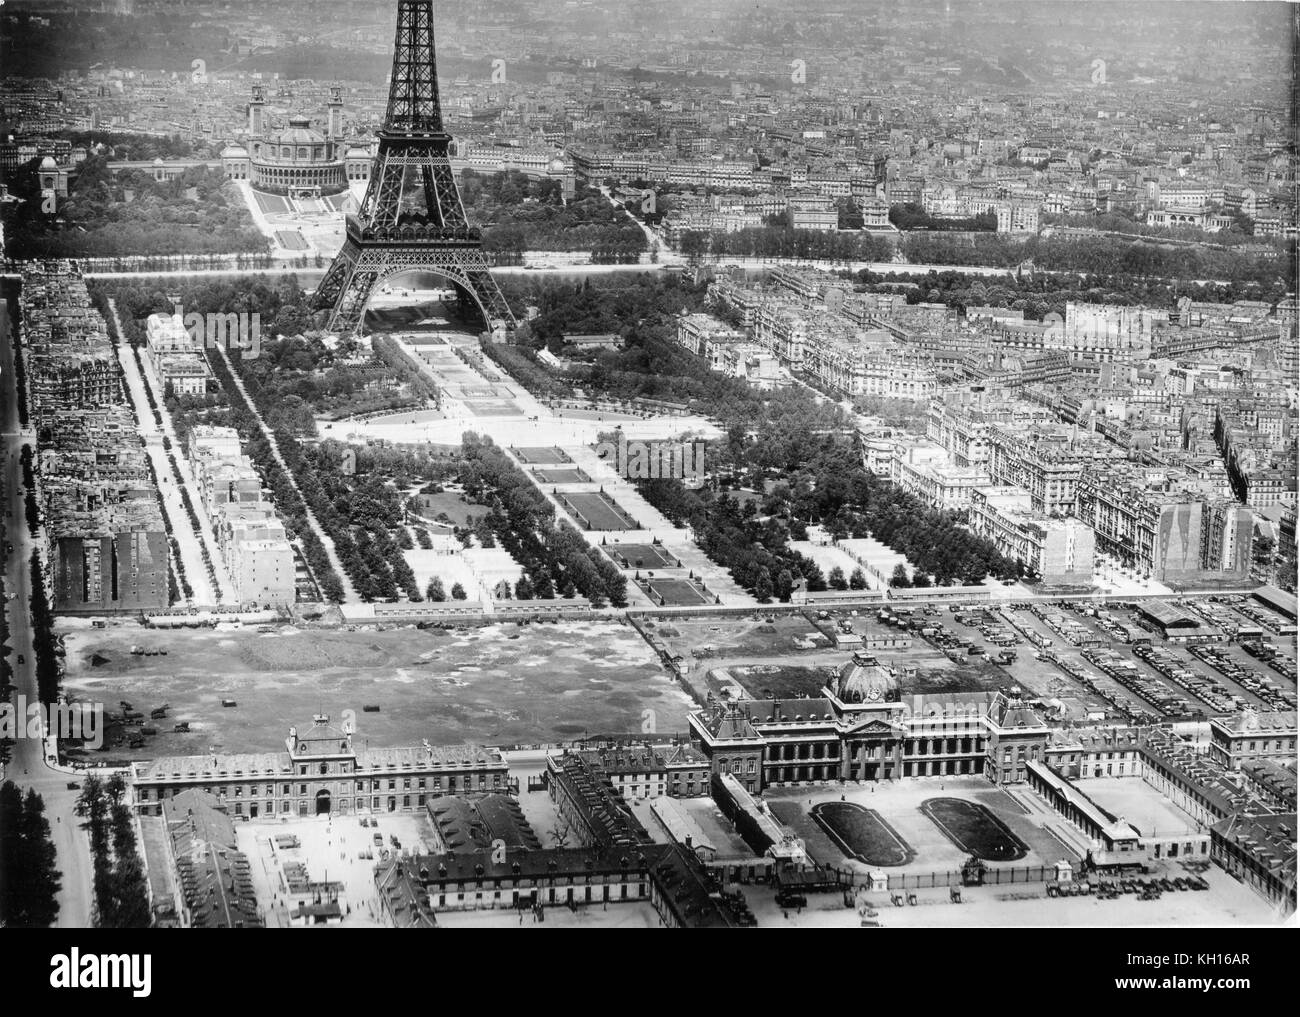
[896, 827]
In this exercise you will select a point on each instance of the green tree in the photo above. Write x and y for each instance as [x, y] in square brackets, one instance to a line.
[434, 591]
[900, 579]
[836, 579]
[457, 591]
[30, 882]
[858, 580]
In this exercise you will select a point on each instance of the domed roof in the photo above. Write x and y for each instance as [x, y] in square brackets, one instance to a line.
[299, 132]
[556, 165]
[862, 680]
[233, 151]
[48, 163]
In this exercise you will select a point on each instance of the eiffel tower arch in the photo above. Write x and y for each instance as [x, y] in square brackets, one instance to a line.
[411, 218]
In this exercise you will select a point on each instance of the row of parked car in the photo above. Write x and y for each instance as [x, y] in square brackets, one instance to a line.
[1250, 679]
[1176, 670]
[1150, 889]
[1131, 708]
[1145, 889]
[1273, 657]
[1120, 669]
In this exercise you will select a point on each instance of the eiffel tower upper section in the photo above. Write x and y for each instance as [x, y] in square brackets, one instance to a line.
[413, 185]
[411, 218]
[413, 105]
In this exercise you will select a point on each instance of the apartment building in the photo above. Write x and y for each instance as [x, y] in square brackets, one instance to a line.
[1057, 552]
[814, 212]
[258, 557]
[1167, 530]
[1017, 217]
[176, 358]
[108, 539]
[925, 470]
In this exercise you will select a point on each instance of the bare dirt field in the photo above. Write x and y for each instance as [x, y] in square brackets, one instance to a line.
[498, 685]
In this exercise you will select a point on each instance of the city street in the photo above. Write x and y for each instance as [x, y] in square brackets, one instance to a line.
[191, 541]
[196, 572]
[27, 768]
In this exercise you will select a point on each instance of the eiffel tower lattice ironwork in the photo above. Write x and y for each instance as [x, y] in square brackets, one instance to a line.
[411, 217]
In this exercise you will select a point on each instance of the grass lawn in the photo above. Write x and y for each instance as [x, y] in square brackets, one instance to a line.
[453, 503]
[974, 829]
[598, 511]
[641, 556]
[862, 833]
[677, 592]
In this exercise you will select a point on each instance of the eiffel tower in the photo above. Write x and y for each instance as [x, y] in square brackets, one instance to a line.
[411, 217]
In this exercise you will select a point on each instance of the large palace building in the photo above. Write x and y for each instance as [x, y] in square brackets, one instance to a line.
[862, 729]
[297, 158]
[321, 772]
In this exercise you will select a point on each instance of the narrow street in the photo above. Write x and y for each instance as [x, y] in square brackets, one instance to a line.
[191, 543]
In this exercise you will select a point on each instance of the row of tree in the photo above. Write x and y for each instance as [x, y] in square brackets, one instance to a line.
[121, 894]
[785, 242]
[753, 549]
[1038, 294]
[288, 504]
[31, 880]
[31, 508]
[1103, 255]
[44, 644]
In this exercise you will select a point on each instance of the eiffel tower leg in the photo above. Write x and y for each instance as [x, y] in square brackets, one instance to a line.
[336, 279]
[351, 307]
[346, 288]
[479, 281]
